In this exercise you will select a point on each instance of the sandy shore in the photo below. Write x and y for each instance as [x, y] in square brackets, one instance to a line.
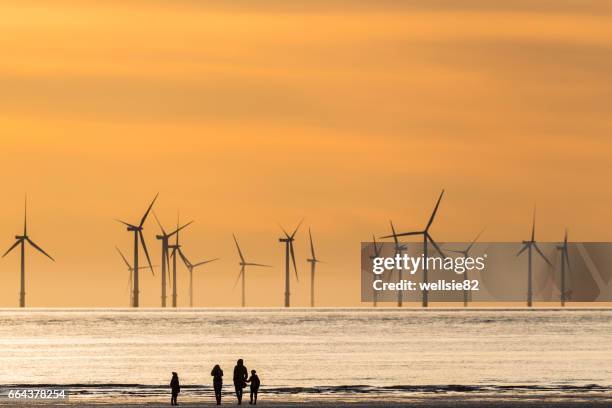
[433, 402]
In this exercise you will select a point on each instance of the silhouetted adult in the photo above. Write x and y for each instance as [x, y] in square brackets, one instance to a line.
[240, 376]
[217, 374]
[175, 387]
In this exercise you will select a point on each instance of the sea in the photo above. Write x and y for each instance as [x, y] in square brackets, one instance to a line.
[310, 354]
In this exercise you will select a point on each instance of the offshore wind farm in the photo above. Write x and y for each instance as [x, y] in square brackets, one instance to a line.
[175, 264]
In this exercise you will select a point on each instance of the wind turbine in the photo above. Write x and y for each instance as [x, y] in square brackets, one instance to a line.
[288, 240]
[175, 248]
[399, 250]
[243, 264]
[21, 240]
[466, 253]
[138, 236]
[313, 262]
[377, 252]
[190, 267]
[164, 238]
[529, 246]
[426, 238]
[130, 270]
[564, 261]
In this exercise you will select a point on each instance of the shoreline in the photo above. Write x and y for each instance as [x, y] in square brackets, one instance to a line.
[428, 402]
[458, 308]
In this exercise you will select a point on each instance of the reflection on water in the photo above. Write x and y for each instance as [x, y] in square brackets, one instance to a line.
[319, 353]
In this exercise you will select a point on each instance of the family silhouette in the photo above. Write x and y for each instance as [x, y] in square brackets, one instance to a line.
[240, 378]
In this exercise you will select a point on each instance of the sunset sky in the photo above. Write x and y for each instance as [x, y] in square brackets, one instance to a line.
[245, 114]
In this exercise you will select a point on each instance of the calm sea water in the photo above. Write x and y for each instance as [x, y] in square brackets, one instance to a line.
[321, 353]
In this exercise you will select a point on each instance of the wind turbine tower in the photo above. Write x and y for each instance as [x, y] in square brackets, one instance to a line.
[289, 253]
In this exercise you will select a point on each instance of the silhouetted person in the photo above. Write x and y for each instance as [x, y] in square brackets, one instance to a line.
[176, 388]
[217, 374]
[240, 376]
[254, 380]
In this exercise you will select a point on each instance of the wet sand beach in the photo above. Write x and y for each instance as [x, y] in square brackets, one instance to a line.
[434, 402]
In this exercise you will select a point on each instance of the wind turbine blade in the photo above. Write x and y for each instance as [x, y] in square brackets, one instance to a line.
[125, 223]
[533, 224]
[123, 257]
[12, 247]
[144, 248]
[40, 249]
[159, 223]
[377, 249]
[144, 217]
[293, 259]
[474, 241]
[312, 251]
[238, 247]
[284, 231]
[204, 262]
[184, 258]
[457, 251]
[238, 278]
[435, 245]
[566, 251]
[433, 214]
[542, 254]
[25, 216]
[296, 228]
[178, 218]
[256, 264]
[522, 249]
[393, 231]
[567, 261]
[176, 231]
[127, 287]
[404, 234]
[146, 267]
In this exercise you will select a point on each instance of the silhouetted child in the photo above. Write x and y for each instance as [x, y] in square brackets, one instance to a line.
[176, 388]
[217, 374]
[254, 381]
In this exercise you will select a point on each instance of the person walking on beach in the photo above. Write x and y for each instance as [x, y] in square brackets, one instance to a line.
[176, 388]
[217, 374]
[254, 381]
[240, 376]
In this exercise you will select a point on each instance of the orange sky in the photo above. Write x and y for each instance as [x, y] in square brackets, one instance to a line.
[243, 115]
